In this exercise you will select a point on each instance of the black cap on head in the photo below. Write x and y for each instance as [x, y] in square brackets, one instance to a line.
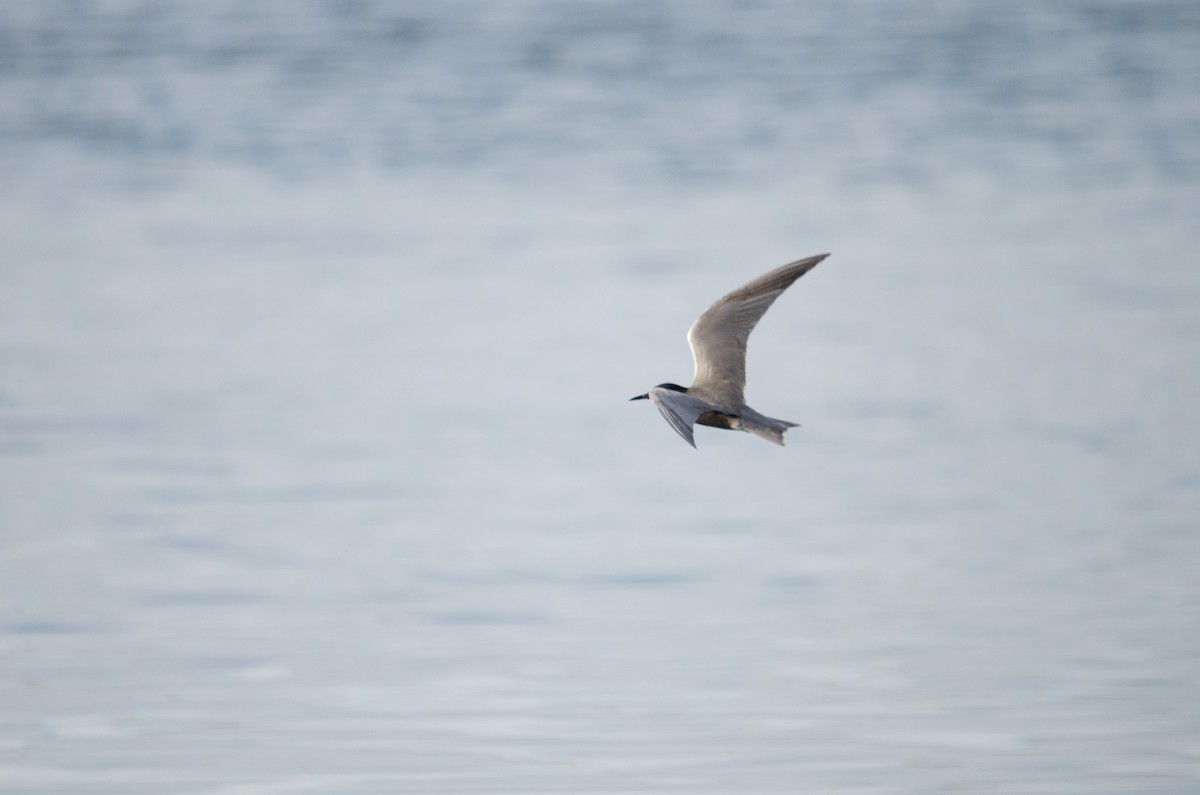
[672, 387]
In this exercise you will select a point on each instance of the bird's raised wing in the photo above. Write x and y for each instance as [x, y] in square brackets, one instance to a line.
[679, 409]
[718, 337]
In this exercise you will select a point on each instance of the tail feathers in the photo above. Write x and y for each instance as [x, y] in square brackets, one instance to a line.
[769, 428]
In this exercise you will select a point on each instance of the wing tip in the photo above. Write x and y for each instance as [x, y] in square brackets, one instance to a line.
[809, 262]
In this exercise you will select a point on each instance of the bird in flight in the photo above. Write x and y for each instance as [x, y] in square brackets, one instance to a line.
[718, 339]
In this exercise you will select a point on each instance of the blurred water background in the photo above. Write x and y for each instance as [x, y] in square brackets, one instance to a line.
[317, 326]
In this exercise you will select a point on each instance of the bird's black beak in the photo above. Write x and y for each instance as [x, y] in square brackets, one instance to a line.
[641, 397]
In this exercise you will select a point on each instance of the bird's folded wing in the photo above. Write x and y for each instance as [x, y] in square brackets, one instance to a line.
[718, 337]
[679, 409]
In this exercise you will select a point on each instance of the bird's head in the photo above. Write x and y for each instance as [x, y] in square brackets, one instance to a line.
[672, 387]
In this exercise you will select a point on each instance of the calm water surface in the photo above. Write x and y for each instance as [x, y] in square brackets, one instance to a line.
[317, 326]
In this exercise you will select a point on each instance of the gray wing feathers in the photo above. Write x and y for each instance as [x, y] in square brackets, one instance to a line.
[718, 337]
[680, 410]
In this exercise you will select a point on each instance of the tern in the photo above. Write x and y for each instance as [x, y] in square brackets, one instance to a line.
[718, 340]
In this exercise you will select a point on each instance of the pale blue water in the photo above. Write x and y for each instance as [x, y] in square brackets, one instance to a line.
[317, 327]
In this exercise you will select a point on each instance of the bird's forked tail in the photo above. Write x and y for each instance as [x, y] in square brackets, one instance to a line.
[767, 428]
